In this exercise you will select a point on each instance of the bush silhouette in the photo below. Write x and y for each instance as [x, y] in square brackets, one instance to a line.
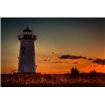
[93, 72]
[74, 71]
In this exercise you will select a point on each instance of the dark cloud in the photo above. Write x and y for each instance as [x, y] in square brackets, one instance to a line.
[71, 57]
[99, 61]
[84, 57]
[75, 62]
[45, 60]
[90, 59]
[59, 62]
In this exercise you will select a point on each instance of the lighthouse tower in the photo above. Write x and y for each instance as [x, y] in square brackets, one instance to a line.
[27, 52]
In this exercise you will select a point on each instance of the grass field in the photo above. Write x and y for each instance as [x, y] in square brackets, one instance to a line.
[53, 80]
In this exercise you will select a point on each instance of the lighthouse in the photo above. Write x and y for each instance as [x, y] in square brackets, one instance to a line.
[27, 52]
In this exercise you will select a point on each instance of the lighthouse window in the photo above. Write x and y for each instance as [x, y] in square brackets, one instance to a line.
[25, 33]
[29, 33]
[23, 50]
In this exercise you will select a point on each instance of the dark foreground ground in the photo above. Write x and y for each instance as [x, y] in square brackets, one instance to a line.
[53, 80]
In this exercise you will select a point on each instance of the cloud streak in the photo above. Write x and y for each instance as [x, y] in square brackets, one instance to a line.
[99, 61]
[71, 57]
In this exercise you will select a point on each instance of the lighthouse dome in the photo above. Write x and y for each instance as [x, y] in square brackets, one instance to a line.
[27, 30]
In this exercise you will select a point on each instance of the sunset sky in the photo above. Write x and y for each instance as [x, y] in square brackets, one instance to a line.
[62, 43]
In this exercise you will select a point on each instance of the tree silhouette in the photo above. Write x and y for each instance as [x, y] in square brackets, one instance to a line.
[93, 72]
[74, 71]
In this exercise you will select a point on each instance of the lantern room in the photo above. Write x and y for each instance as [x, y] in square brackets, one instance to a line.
[27, 31]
